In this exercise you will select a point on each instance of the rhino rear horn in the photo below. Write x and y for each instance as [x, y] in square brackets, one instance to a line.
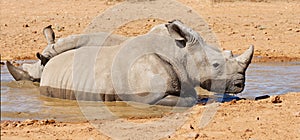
[18, 73]
[49, 34]
[246, 57]
[227, 54]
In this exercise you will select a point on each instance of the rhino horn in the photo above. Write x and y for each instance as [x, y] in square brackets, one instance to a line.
[18, 73]
[49, 34]
[227, 54]
[246, 57]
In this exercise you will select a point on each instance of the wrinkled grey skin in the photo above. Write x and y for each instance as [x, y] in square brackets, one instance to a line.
[179, 61]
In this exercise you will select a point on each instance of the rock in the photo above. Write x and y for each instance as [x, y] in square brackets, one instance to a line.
[29, 122]
[46, 122]
[276, 100]
[232, 102]
[20, 125]
[297, 114]
[191, 126]
[197, 135]
[26, 25]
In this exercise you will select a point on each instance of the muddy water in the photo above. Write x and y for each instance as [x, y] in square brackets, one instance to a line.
[272, 79]
[21, 100]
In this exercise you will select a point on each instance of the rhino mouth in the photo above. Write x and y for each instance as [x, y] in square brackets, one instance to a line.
[223, 86]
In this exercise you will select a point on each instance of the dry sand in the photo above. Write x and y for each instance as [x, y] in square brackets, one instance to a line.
[273, 27]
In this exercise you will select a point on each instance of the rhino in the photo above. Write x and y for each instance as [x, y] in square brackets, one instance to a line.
[162, 67]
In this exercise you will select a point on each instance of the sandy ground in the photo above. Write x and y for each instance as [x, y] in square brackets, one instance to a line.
[273, 27]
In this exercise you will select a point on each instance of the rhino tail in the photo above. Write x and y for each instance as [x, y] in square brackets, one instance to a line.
[18, 73]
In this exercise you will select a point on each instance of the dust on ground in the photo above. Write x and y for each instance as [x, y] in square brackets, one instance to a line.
[272, 27]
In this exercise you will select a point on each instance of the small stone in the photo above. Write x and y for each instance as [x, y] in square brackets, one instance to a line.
[26, 25]
[29, 122]
[297, 114]
[289, 29]
[191, 126]
[197, 135]
[232, 102]
[276, 100]
[248, 130]
[20, 125]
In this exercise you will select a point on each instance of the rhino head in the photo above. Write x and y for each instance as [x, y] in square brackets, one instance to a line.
[32, 72]
[217, 71]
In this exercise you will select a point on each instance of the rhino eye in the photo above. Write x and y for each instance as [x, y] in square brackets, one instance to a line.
[216, 65]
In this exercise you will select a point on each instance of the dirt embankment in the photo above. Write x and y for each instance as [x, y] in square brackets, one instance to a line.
[274, 118]
[273, 27]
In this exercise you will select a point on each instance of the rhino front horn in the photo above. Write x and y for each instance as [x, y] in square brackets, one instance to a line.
[18, 73]
[246, 57]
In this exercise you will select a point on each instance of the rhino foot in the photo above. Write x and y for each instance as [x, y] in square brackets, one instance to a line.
[171, 100]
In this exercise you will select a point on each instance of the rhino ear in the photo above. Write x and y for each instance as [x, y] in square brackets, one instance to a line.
[181, 33]
[246, 57]
[44, 60]
[49, 34]
[175, 31]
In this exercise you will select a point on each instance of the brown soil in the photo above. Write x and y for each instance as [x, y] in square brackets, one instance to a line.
[273, 27]
[274, 118]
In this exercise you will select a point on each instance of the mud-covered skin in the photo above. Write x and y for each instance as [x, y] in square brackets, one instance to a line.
[77, 69]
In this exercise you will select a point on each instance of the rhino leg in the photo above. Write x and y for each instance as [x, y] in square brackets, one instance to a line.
[172, 100]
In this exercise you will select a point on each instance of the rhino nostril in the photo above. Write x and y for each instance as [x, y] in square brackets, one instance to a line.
[239, 85]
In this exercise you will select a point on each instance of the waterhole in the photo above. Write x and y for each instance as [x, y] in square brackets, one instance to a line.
[21, 100]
